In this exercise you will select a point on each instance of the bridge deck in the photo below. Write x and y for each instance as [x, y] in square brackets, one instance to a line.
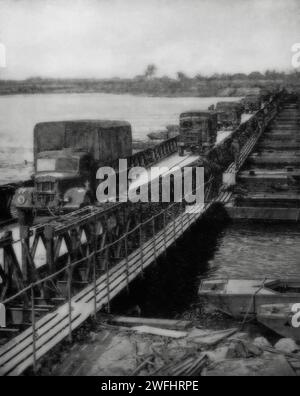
[270, 181]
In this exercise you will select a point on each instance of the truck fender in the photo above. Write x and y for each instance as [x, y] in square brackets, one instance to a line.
[77, 197]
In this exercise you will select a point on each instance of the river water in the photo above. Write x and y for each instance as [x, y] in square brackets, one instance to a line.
[20, 113]
[213, 250]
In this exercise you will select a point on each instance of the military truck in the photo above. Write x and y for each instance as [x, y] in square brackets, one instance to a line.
[197, 131]
[229, 114]
[252, 103]
[67, 156]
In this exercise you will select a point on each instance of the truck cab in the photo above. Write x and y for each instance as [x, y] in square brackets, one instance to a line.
[56, 174]
[198, 131]
[67, 156]
[252, 103]
[229, 115]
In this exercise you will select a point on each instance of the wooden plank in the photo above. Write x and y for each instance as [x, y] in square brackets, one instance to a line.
[160, 332]
[161, 323]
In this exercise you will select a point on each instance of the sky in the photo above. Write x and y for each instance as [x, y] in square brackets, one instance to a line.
[119, 38]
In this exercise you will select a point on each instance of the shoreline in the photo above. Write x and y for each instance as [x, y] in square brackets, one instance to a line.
[144, 95]
[183, 86]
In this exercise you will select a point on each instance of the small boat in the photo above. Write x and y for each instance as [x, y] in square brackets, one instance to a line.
[240, 298]
[283, 319]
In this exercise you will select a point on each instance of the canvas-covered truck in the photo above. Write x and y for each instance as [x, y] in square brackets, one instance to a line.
[229, 114]
[67, 156]
[198, 131]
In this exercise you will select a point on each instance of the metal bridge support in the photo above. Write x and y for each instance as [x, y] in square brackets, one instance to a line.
[11, 273]
[25, 240]
[49, 242]
[28, 267]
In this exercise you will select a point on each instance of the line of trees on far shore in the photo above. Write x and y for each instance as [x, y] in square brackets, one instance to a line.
[148, 83]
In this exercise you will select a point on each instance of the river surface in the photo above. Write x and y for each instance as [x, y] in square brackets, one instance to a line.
[236, 251]
[20, 113]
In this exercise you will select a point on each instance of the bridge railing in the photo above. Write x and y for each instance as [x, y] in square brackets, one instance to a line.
[222, 155]
[150, 156]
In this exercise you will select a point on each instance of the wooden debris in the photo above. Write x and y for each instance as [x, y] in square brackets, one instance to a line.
[161, 323]
[287, 355]
[210, 338]
[266, 365]
[160, 332]
[295, 365]
[190, 366]
[141, 366]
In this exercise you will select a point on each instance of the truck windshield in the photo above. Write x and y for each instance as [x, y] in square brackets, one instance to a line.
[193, 122]
[57, 165]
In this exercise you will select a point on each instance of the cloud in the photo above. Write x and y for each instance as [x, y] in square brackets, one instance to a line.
[105, 38]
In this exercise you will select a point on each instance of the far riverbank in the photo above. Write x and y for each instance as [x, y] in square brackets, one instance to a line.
[182, 86]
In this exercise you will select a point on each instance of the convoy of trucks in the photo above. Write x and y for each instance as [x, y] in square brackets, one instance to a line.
[68, 154]
[198, 129]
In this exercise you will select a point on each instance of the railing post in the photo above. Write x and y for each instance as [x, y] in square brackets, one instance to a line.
[189, 216]
[127, 262]
[107, 281]
[49, 236]
[25, 240]
[95, 284]
[165, 235]
[174, 225]
[141, 249]
[25, 222]
[69, 299]
[154, 239]
[182, 217]
[94, 258]
[33, 330]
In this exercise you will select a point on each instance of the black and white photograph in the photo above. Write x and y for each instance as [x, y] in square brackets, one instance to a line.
[149, 191]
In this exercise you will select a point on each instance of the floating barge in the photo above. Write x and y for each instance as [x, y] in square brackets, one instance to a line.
[280, 318]
[239, 298]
